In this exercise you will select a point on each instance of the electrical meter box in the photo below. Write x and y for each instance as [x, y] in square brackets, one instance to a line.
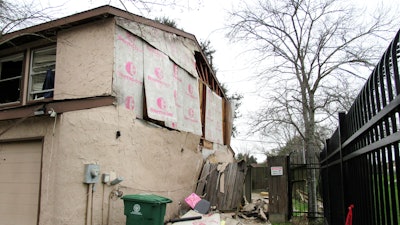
[91, 174]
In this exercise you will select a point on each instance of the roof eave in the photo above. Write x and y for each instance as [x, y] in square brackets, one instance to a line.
[89, 16]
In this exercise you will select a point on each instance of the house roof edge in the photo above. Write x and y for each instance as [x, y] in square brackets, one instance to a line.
[89, 16]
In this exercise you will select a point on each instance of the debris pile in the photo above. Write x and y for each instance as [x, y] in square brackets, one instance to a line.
[204, 214]
[255, 210]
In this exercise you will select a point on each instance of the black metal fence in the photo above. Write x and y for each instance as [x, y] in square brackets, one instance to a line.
[298, 190]
[359, 161]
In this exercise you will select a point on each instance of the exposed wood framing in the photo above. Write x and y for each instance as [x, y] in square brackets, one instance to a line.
[207, 76]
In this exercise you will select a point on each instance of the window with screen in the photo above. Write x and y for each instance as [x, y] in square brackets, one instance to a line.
[42, 72]
[10, 78]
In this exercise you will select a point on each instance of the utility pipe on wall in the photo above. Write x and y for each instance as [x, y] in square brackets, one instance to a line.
[89, 204]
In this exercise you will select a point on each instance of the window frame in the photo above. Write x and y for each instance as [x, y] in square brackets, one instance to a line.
[30, 93]
[11, 57]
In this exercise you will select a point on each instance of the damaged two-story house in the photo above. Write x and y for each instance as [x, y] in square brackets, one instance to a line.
[101, 104]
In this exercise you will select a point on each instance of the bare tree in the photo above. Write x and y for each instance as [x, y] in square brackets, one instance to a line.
[146, 6]
[310, 53]
[19, 14]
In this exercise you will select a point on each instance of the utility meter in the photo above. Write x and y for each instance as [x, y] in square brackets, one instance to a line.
[92, 173]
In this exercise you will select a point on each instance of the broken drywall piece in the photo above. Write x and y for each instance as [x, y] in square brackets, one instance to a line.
[223, 153]
[230, 221]
[208, 219]
[207, 152]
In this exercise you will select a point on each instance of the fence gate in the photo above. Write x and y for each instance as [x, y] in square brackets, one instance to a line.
[277, 185]
[297, 186]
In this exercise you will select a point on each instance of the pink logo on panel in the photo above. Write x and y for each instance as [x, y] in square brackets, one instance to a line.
[191, 116]
[176, 75]
[130, 68]
[158, 73]
[130, 73]
[174, 125]
[161, 103]
[159, 76]
[130, 103]
[190, 91]
[191, 113]
[161, 108]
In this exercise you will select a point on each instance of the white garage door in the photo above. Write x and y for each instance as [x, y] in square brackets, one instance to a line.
[20, 164]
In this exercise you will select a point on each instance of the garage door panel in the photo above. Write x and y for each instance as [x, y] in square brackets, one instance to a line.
[14, 168]
[28, 177]
[19, 156]
[17, 188]
[22, 198]
[25, 209]
[24, 215]
[20, 169]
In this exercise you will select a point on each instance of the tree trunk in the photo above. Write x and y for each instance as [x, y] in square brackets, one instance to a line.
[311, 162]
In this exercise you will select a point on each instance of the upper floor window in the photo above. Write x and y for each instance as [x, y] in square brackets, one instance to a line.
[42, 72]
[10, 78]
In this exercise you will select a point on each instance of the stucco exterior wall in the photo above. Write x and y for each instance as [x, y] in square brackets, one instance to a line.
[84, 61]
[151, 160]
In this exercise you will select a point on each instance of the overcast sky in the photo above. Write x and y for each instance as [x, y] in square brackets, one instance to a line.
[206, 20]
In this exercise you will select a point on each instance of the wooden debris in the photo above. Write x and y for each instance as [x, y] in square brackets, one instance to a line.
[256, 210]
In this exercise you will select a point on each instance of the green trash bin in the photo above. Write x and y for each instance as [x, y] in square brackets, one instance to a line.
[145, 209]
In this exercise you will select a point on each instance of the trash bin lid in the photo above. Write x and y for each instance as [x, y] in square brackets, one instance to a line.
[146, 198]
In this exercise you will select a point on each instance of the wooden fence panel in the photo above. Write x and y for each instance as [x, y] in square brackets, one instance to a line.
[232, 178]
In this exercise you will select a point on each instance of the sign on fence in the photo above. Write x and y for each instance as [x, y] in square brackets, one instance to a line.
[276, 171]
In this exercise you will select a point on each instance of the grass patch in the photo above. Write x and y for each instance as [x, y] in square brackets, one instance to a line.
[300, 208]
